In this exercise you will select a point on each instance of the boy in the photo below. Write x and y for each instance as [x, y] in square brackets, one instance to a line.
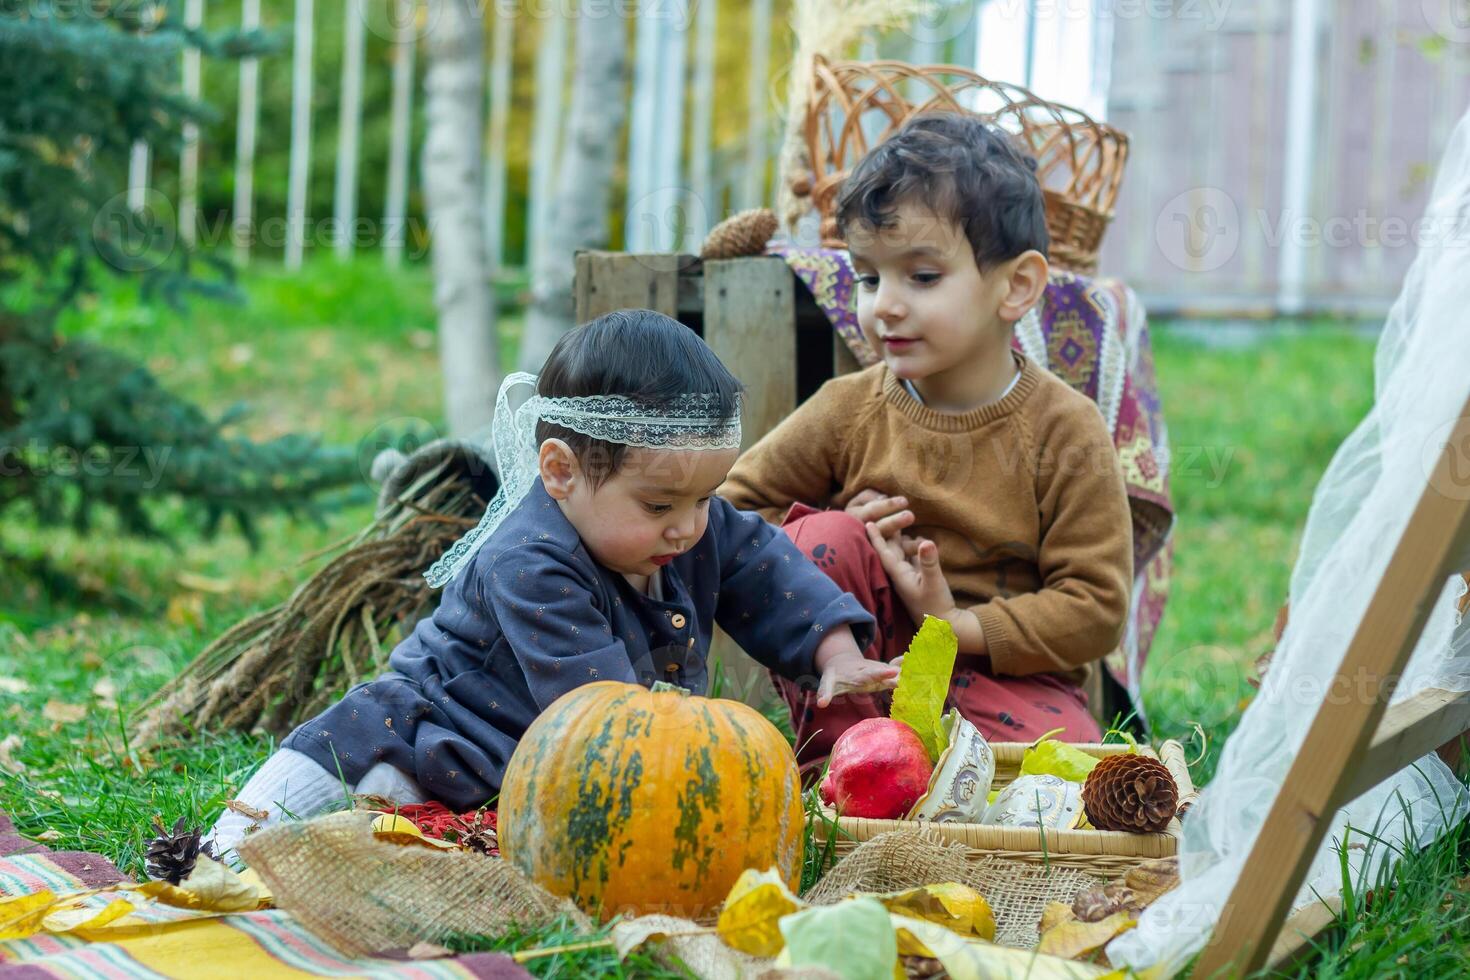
[968, 483]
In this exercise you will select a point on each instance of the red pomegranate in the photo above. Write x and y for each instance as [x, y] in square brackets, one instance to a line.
[878, 769]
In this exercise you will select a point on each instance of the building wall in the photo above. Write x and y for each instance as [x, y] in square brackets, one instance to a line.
[1203, 91]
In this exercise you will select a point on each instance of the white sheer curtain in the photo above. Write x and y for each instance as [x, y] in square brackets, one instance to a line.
[1422, 378]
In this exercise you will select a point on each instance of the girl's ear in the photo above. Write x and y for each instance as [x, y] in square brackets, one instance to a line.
[559, 469]
[1024, 285]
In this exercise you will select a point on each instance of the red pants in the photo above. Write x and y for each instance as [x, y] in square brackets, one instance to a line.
[1004, 708]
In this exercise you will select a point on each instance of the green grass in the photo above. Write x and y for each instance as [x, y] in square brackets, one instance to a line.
[345, 350]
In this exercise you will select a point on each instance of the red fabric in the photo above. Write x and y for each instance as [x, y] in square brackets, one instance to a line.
[1003, 708]
[438, 821]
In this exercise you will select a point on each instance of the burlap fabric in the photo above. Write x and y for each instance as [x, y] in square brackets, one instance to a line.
[366, 896]
[1016, 890]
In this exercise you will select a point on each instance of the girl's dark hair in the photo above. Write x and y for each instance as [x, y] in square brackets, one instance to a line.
[960, 168]
[638, 354]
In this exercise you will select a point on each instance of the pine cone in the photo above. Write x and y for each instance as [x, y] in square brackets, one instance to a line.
[172, 854]
[740, 234]
[1130, 792]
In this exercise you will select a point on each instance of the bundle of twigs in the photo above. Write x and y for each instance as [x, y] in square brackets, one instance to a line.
[281, 666]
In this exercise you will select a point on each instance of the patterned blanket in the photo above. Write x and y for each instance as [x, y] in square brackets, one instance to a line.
[1093, 334]
[157, 941]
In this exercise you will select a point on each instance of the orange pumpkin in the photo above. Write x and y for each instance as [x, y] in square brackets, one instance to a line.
[631, 800]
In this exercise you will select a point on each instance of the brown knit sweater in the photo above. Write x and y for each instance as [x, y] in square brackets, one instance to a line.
[1024, 498]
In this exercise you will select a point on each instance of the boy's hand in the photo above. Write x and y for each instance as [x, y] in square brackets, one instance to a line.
[889, 513]
[845, 670]
[912, 565]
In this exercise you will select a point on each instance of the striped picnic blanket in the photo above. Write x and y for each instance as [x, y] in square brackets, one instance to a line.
[159, 941]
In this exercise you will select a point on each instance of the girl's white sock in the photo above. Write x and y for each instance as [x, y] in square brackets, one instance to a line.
[291, 785]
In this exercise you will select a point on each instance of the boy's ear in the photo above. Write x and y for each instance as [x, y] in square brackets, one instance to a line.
[559, 468]
[1024, 286]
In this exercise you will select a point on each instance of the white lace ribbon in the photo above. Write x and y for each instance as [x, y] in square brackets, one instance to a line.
[688, 422]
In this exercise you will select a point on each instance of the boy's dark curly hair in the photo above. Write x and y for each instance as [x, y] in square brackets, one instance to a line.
[638, 354]
[960, 168]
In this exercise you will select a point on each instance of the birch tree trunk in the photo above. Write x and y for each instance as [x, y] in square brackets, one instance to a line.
[584, 179]
[454, 90]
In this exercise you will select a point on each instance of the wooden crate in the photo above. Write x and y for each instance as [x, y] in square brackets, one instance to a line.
[760, 321]
[1104, 852]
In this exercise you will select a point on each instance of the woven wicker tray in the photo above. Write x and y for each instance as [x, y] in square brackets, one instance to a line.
[1106, 852]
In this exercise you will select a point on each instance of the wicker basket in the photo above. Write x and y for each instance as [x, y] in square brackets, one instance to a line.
[1105, 852]
[855, 105]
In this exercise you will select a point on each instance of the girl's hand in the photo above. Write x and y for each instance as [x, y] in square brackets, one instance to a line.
[846, 671]
[912, 565]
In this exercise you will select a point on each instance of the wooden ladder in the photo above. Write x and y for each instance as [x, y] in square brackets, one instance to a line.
[1356, 742]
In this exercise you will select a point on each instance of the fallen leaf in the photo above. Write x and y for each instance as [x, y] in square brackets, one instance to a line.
[8, 762]
[1055, 914]
[185, 610]
[1153, 878]
[63, 713]
[958, 908]
[203, 583]
[90, 660]
[401, 830]
[21, 915]
[428, 951]
[1071, 940]
[854, 938]
[105, 691]
[13, 685]
[210, 887]
[750, 918]
[50, 836]
[252, 878]
[246, 810]
[976, 960]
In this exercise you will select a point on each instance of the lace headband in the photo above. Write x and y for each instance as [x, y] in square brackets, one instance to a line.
[691, 421]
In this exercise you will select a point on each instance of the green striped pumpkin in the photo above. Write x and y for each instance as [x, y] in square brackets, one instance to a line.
[630, 800]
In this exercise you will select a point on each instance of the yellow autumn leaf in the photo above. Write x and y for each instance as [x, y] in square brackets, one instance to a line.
[956, 907]
[974, 959]
[252, 878]
[749, 920]
[210, 887]
[1077, 938]
[80, 918]
[1055, 914]
[21, 916]
[401, 830]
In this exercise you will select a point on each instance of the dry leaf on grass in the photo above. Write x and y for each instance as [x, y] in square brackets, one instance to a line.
[13, 685]
[8, 761]
[246, 810]
[105, 692]
[63, 713]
